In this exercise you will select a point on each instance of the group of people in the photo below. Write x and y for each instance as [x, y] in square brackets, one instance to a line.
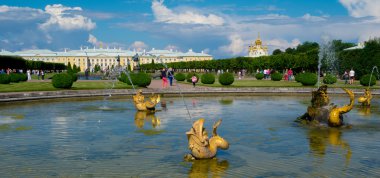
[169, 74]
[288, 74]
[349, 76]
[165, 75]
[39, 73]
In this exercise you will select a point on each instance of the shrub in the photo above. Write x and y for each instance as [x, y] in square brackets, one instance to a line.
[142, 79]
[139, 79]
[259, 76]
[364, 80]
[180, 77]
[208, 78]
[308, 79]
[226, 78]
[298, 77]
[15, 77]
[329, 79]
[62, 80]
[5, 79]
[132, 76]
[74, 77]
[189, 75]
[276, 76]
[23, 77]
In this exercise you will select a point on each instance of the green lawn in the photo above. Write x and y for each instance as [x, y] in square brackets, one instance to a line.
[47, 86]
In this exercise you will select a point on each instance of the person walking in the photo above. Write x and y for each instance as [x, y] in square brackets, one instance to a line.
[42, 75]
[345, 77]
[28, 74]
[194, 79]
[164, 78]
[170, 76]
[290, 74]
[352, 76]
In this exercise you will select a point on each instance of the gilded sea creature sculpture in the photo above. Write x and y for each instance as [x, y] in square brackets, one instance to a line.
[200, 145]
[366, 99]
[321, 111]
[142, 105]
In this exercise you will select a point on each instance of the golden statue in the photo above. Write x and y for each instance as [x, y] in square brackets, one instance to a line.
[366, 99]
[200, 145]
[321, 111]
[143, 105]
[335, 117]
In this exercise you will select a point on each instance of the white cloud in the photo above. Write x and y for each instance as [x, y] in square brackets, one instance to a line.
[282, 44]
[164, 14]
[235, 47]
[59, 17]
[172, 47]
[272, 17]
[311, 18]
[92, 39]
[362, 8]
[20, 13]
[138, 46]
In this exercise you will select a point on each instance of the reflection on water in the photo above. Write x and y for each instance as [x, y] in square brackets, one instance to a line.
[321, 138]
[108, 138]
[208, 168]
[142, 117]
[8, 122]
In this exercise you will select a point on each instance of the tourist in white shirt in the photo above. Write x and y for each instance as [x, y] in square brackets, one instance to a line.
[352, 76]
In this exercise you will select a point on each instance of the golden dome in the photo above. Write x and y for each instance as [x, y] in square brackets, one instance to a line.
[258, 40]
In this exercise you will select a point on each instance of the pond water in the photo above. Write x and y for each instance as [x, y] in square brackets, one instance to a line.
[108, 138]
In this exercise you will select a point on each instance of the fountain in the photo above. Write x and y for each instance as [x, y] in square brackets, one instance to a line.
[69, 140]
[200, 145]
[366, 99]
[142, 105]
[327, 57]
[321, 111]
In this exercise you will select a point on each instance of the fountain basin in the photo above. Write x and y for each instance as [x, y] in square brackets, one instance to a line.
[73, 138]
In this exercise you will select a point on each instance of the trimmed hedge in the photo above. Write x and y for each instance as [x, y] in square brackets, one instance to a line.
[329, 79]
[226, 78]
[74, 76]
[180, 77]
[308, 79]
[259, 76]
[15, 77]
[62, 80]
[189, 75]
[208, 78]
[138, 79]
[364, 80]
[143, 79]
[5, 79]
[276, 76]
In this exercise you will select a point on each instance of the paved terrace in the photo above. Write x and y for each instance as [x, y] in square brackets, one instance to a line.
[176, 90]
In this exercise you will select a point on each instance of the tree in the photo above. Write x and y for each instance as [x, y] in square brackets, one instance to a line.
[307, 46]
[290, 50]
[69, 68]
[277, 51]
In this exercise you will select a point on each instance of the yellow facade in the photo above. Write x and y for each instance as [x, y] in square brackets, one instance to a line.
[106, 58]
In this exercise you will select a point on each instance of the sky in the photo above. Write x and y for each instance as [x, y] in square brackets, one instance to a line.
[222, 28]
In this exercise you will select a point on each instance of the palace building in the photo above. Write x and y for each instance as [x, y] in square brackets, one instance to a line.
[258, 49]
[106, 58]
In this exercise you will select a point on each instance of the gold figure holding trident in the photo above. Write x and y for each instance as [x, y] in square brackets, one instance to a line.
[142, 105]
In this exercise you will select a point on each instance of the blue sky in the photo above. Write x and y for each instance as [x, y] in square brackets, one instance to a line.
[222, 28]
